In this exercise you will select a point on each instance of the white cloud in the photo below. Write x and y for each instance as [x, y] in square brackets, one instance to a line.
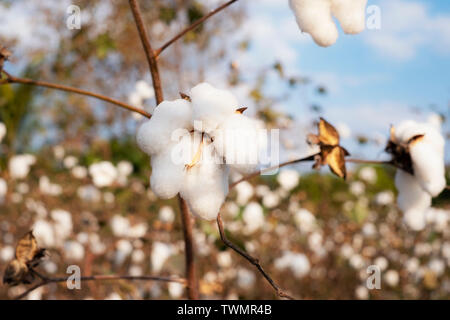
[406, 28]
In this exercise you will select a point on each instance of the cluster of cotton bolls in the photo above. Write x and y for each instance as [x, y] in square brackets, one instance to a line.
[193, 145]
[19, 165]
[428, 179]
[298, 263]
[316, 18]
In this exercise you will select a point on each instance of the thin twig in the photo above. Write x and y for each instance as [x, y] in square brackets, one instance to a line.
[193, 26]
[189, 248]
[251, 259]
[45, 280]
[149, 53]
[12, 79]
[258, 173]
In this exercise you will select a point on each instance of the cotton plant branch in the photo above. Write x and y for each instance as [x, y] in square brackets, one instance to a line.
[192, 282]
[192, 27]
[12, 79]
[280, 292]
[47, 280]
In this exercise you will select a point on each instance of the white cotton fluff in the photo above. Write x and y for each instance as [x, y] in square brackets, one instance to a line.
[314, 17]
[160, 253]
[155, 134]
[205, 186]
[210, 106]
[244, 192]
[412, 200]
[103, 173]
[288, 179]
[298, 263]
[73, 250]
[166, 214]
[19, 165]
[253, 217]
[167, 177]
[43, 231]
[144, 90]
[351, 14]
[62, 224]
[236, 139]
[2, 131]
[305, 220]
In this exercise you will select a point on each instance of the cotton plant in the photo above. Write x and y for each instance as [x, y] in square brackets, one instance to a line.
[315, 17]
[417, 149]
[194, 142]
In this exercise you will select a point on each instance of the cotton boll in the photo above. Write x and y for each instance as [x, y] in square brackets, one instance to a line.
[73, 250]
[144, 90]
[7, 253]
[79, 172]
[392, 278]
[210, 105]
[120, 226]
[3, 189]
[166, 214]
[298, 263]
[123, 249]
[429, 167]
[253, 217]
[155, 135]
[236, 139]
[244, 192]
[167, 177]
[62, 224]
[19, 165]
[43, 231]
[288, 179]
[245, 278]
[175, 290]
[103, 173]
[160, 253]
[205, 186]
[412, 199]
[351, 14]
[305, 220]
[2, 131]
[314, 17]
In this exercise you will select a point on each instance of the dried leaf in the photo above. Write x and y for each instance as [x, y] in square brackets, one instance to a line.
[336, 161]
[328, 135]
[27, 248]
[241, 110]
[184, 96]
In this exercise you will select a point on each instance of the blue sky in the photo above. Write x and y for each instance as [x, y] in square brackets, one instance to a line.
[375, 77]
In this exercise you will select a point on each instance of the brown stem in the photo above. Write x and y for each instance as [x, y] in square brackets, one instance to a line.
[185, 215]
[12, 79]
[258, 173]
[149, 53]
[45, 280]
[193, 26]
[189, 247]
[251, 259]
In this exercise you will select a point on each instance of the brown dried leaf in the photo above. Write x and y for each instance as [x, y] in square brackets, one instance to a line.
[335, 158]
[328, 135]
[241, 110]
[185, 97]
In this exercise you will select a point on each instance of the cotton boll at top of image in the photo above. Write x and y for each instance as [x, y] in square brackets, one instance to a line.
[210, 105]
[351, 14]
[314, 17]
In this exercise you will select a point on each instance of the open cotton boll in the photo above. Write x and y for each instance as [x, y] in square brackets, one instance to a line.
[314, 17]
[154, 135]
[236, 139]
[210, 105]
[412, 200]
[253, 217]
[19, 165]
[103, 173]
[205, 189]
[351, 14]
[167, 176]
[427, 154]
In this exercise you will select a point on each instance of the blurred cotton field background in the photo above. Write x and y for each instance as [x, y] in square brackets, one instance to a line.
[71, 169]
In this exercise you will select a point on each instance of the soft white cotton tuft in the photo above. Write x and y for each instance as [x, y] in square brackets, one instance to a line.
[211, 105]
[19, 165]
[155, 134]
[160, 253]
[253, 217]
[167, 177]
[288, 179]
[103, 173]
[314, 17]
[351, 14]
